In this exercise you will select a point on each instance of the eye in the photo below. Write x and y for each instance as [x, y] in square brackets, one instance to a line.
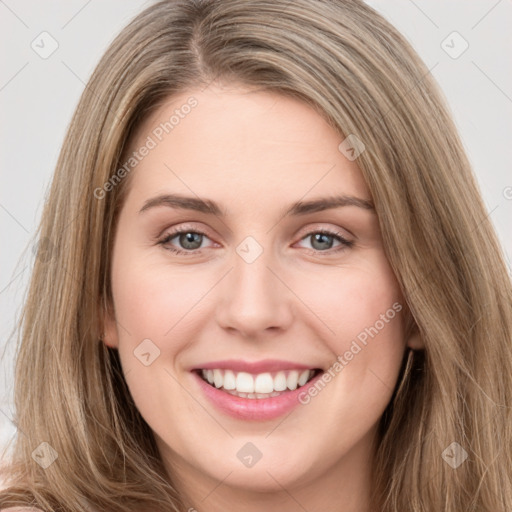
[190, 240]
[322, 241]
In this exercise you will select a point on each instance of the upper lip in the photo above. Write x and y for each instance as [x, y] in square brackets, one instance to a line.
[265, 365]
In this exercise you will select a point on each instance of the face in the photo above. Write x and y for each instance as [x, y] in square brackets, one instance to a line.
[229, 258]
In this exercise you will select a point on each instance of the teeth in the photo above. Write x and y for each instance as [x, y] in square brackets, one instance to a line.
[229, 380]
[218, 379]
[244, 383]
[303, 378]
[292, 379]
[262, 385]
[280, 381]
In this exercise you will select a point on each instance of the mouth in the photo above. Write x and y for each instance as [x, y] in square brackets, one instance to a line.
[257, 386]
[255, 390]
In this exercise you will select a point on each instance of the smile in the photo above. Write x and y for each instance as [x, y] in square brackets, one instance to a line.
[259, 386]
[254, 391]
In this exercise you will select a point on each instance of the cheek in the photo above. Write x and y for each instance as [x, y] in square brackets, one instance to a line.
[151, 299]
[359, 313]
[351, 299]
[151, 309]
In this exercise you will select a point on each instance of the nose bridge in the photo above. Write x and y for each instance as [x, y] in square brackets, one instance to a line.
[254, 299]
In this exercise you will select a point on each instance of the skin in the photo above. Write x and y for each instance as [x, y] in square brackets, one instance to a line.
[255, 153]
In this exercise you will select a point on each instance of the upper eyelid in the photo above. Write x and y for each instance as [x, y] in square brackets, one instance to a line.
[182, 229]
[185, 226]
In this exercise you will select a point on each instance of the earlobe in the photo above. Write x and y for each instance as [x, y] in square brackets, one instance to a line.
[108, 341]
[108, 330]
[415, 341]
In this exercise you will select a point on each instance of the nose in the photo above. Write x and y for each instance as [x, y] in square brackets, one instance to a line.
[254, 298]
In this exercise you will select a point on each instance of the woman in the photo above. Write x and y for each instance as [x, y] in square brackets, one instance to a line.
[189, 341]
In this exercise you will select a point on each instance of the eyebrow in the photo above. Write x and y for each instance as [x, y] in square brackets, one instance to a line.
[298, 208]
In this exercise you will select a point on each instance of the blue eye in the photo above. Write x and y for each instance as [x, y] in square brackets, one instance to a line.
[191, 241]
[324, 240]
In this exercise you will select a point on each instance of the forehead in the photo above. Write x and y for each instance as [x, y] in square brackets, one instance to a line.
[241, 142]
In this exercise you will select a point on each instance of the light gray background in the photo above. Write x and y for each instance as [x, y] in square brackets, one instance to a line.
[38, 96]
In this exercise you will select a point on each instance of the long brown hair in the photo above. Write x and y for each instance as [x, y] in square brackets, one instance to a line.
[348, 62]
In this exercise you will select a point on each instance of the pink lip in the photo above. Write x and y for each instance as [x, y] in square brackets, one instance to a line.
[266, 365]
[253, 409]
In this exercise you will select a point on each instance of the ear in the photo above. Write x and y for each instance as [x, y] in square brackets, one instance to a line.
[108, 325]
[413, 338]
[415, 341]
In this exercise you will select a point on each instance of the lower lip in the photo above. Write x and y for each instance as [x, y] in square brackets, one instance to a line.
[254, 408]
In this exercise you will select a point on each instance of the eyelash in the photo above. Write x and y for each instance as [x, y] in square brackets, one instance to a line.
[345, 244]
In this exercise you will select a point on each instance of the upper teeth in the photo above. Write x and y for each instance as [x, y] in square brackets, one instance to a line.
[244, 382]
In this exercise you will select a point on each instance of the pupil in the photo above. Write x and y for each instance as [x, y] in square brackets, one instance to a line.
[321, 238]
[190, 238]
